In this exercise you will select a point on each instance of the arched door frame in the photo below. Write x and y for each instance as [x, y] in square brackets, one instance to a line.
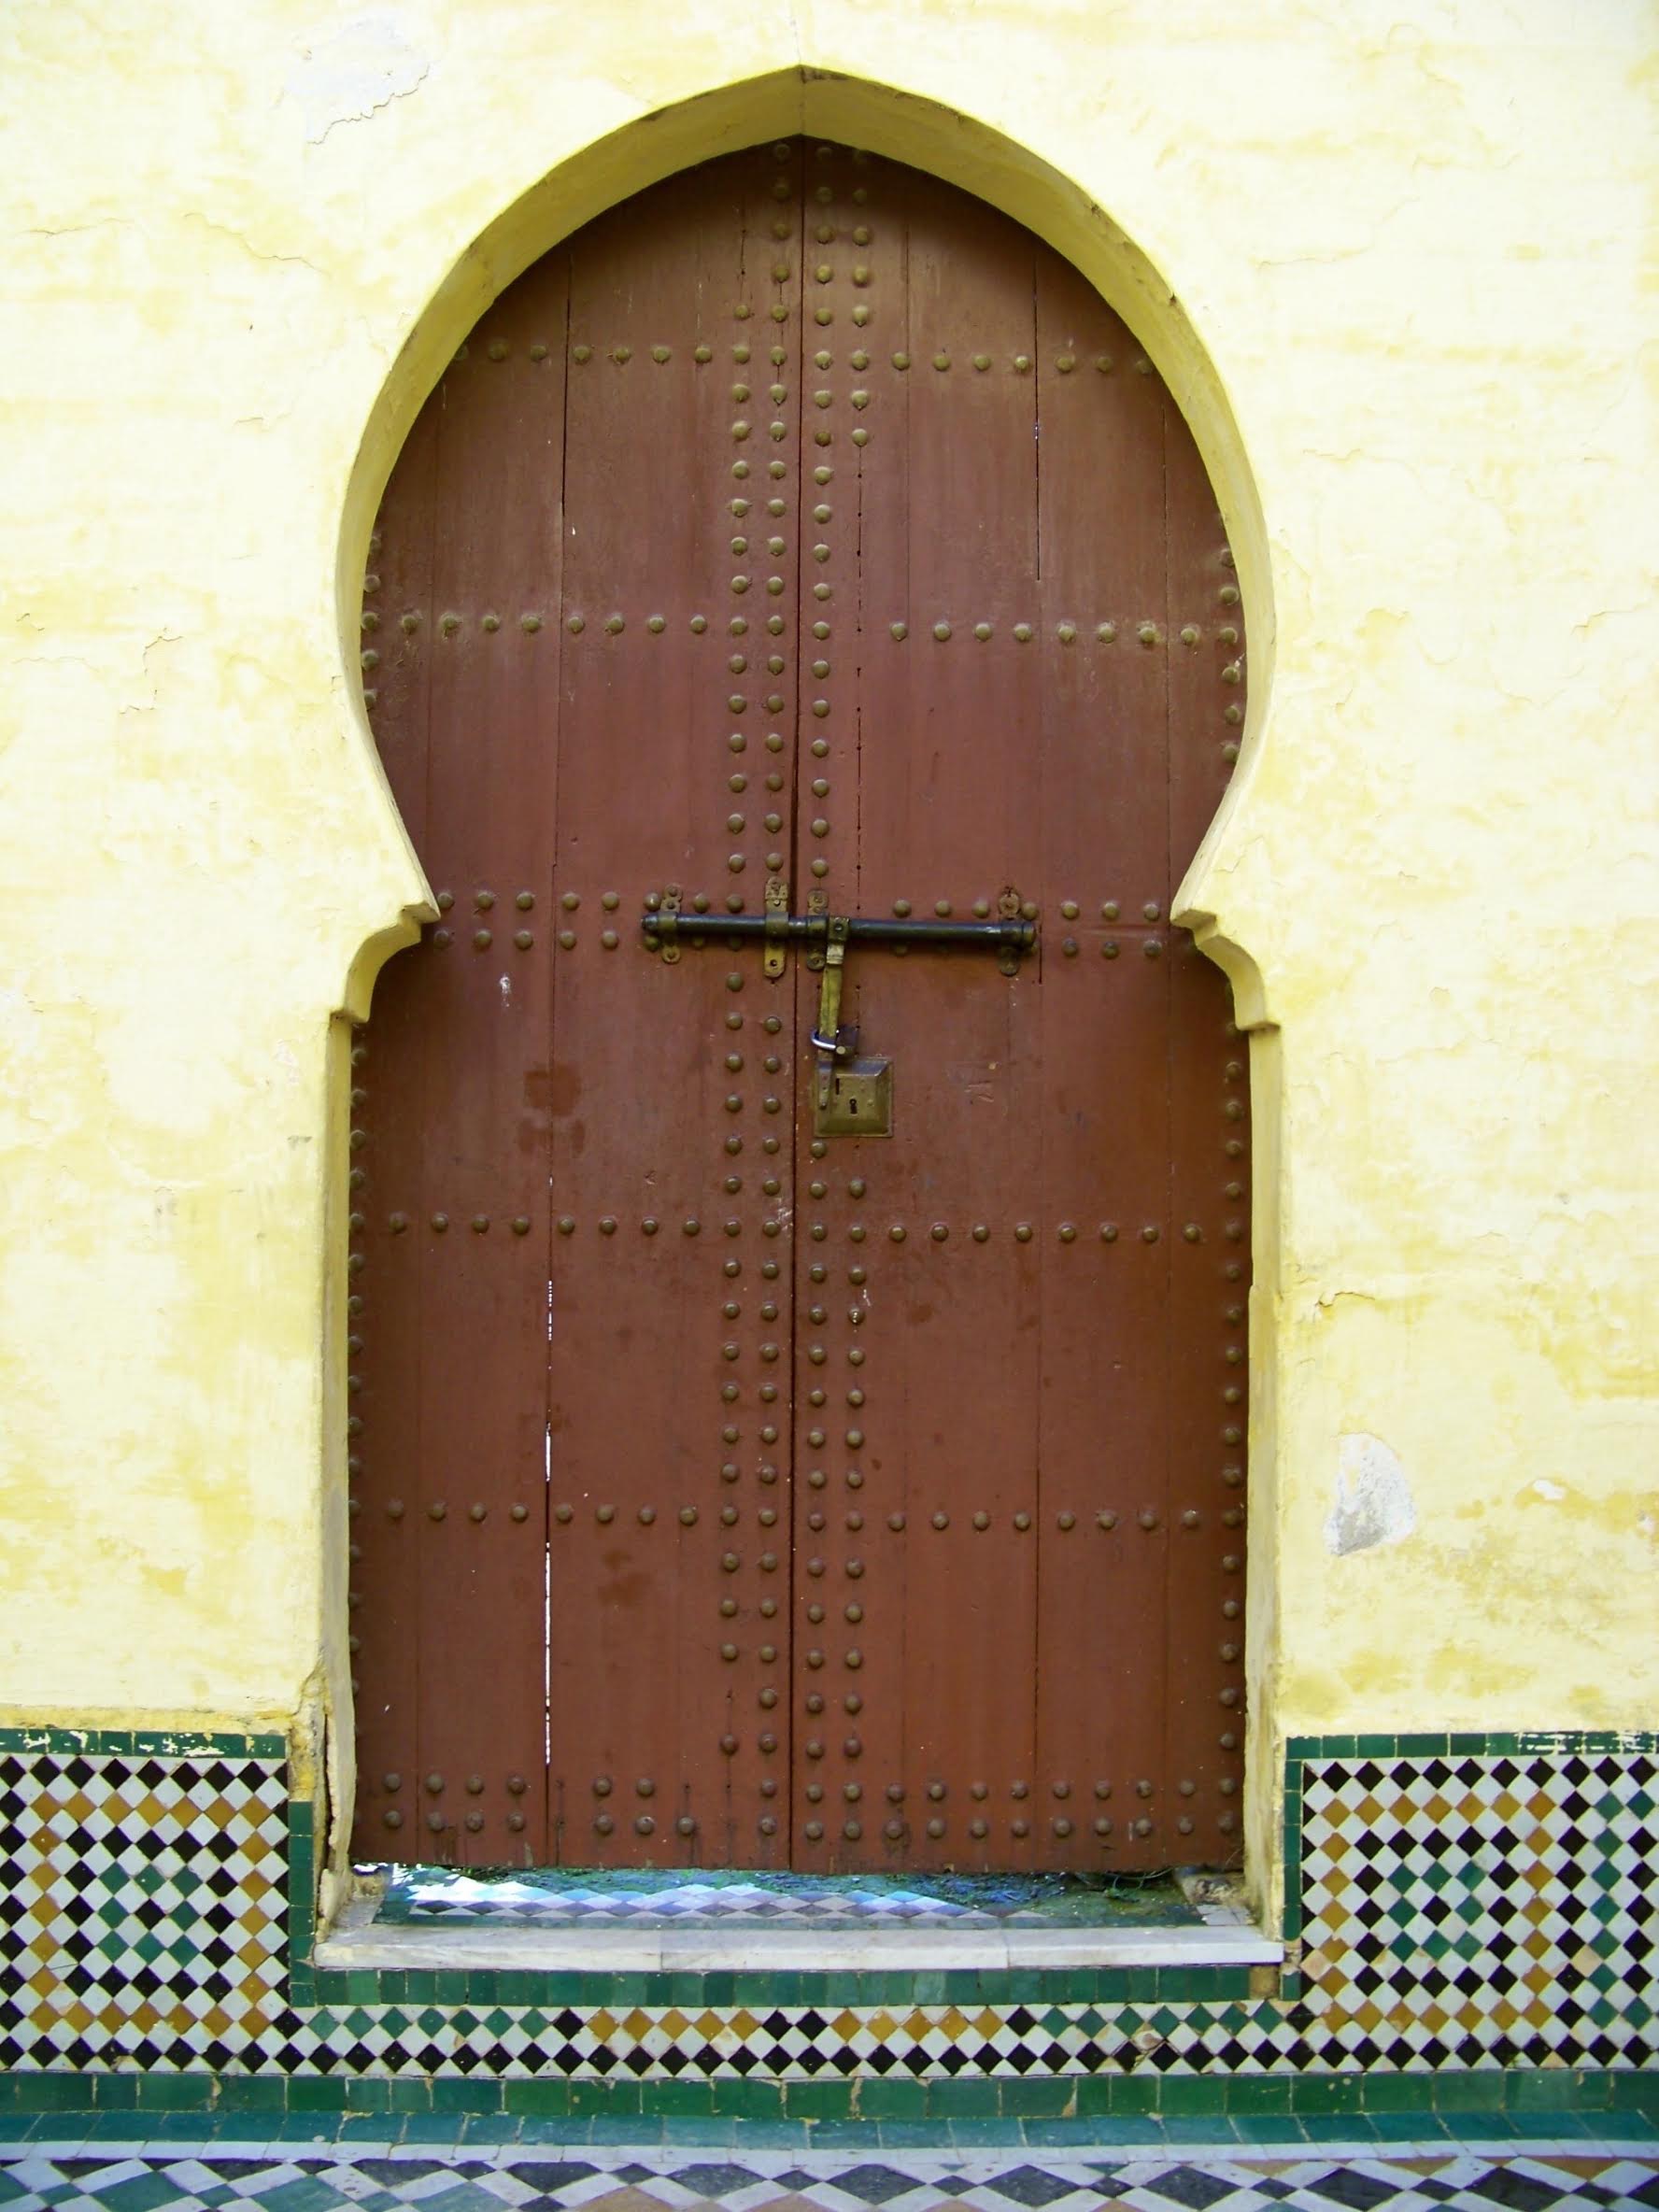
[926, 136]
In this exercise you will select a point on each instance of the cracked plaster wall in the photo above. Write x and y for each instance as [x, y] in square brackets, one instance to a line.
[1420, 251]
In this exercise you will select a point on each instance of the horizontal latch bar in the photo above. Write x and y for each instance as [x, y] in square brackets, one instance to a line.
[814, 929]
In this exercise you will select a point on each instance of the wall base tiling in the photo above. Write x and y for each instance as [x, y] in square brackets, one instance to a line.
[1465, 1907]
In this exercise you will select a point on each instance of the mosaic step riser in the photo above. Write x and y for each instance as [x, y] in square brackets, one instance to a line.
[1199, 2180]
[1459, 1904]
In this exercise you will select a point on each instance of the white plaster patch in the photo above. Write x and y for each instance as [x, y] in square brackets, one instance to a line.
[346, 78]
[1544, 1488]
[1374, 1503]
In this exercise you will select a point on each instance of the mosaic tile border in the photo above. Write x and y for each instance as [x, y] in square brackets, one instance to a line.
[1427, 1955]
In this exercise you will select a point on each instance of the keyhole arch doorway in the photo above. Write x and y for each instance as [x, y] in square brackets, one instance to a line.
[726, 1492]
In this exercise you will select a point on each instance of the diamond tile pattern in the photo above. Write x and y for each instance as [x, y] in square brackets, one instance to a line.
[1472, 1910]
[140, 2180]
[1490, 1909]
[143, 1907]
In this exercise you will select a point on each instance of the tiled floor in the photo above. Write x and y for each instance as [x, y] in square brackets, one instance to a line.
[422, 1895]
[293, 2176]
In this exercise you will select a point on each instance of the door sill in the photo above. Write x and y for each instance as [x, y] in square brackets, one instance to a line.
[360, 1942]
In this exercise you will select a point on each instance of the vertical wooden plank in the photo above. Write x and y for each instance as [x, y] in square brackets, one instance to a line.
[670, 1164]
[1210, 1197]
[384, 1318]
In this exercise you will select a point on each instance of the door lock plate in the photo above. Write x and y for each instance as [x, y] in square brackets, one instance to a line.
[860, 1099]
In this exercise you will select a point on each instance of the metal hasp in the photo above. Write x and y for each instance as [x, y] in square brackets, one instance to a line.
[852, 1095]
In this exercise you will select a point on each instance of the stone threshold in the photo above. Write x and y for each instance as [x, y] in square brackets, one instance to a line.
[360, 1942]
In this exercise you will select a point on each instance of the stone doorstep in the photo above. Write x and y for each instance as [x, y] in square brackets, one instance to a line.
[359, 1943]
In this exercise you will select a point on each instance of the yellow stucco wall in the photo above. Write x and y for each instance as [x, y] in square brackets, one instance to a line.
[1400, 270]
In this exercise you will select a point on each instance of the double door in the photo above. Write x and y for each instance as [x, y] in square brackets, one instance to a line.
[732, 1487]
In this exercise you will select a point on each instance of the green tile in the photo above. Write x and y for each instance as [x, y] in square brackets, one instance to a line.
[914, 2134]
[49, 2092]
[698, 2130]
[1056, 2134]
[411, 2093]
[452, 2092]
[602, 2099]
[966, 2096]
[489, 2127]
[370, 2128]
[668, 2098]
[987, 2134]
[307, 2127]
[845, 2135]
[1327, 2092]
[1420, 1747]
[1195, 2127]
[1468, 2091]
[1135, 2093]
[176, 2127]
[1374, 1746]
[544, 2097]
[1337, 2127]
[1419, 2126]
[1037, 2096]
[1191, 2093]
[1541, 2088]
[895, 2096]
[1398, 2092]
[174, 2092]
[817, 2100]
[769, 2134]
[625, 2128]
[747, 2099]
[1630, 2092]
[1268, 2127]
[110, 2127]
[246, 2126]
[433, 2127]
[1257, 2093]
[252, 2093]
[368, 2092]
[317, 2092]
[540, 2132]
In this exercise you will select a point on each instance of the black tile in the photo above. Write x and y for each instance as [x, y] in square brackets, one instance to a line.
[1191, 2186]
[720, 2180]
[1359, 2191]
[1520, 2192]
[1027, 2185]
[874, 2184]
[546, 2176]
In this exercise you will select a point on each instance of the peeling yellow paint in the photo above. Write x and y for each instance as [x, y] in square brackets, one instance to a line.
[1400, 278]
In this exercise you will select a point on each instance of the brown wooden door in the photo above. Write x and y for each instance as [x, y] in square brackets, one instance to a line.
[725, 1495]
